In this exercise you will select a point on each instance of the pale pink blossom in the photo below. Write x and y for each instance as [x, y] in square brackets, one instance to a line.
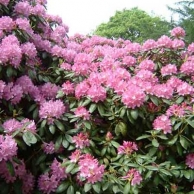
[82, 112]
[133, 176]
[163, 123]
[68, 88]
[90, 169]
[168, 69]
[81, 140]
[190, 160]
[127, 148]
[178, 32]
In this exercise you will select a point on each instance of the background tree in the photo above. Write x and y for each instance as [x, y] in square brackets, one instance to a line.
[135, 25]
[185, 11]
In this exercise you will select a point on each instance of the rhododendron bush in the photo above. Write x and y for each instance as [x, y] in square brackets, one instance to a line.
[87, 114]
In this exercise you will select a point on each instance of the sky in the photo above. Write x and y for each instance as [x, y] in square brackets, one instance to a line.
[83, 16]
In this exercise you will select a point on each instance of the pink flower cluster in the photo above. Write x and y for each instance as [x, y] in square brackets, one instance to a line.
[49, 181]
[82, 112]
[89, 169]
[190, 160]
[81, 140]
[8, 147]
[51, 110]
[127, 148]
[12, 125]
[133, 176]
[163, 123]
[20, 173]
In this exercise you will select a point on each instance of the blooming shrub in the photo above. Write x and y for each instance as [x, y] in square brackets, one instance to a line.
[87, 114]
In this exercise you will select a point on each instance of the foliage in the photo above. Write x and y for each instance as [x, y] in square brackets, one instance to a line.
[91, 114]
[185, 11]
[135, 25]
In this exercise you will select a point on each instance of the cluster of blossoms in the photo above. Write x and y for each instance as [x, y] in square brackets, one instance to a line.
[20, 173]
[12, 125]
[49, 181]
[127, 148]
[133, 176]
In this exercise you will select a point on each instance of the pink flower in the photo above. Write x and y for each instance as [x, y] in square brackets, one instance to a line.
[51, 110]
[58, 170]
[185, 89]
[162, 91]
[82, 112]
[49, 148]
[75, 156]
[81, 140]
[191, 48]
[164, 41]
[89, 168]
[81, 89]
[29, 50]
[11, 125]
[23, 8]
[8, 147]
[162, 123]
[168, 69]
[133, 97]
[187, 68]
[29, 125]
[68, 87]
[127, 148]
[4, 2]
[109, 136]
[178, 44]
[177, 32]
[149, 44]
[133, 176]
[49, 90]
[48, 184]
[6, 23]
[190, 160]
[147, 65]
[96, 93]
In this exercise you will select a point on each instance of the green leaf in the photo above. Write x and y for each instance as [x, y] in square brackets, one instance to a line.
[134, 114]
[97, 187]
[121, 128]
[100, 109]
[58, 142]
[62, 187]
[70, 168]
[186, 174]
[43, 123]
[127, 188]
[29, 138]
[153, 168]
[173, 140]
[165, 172]
[105, 186]
[184, 142]
[179, 100]
[115, 144]
[92, 108]
[154, 100]
[191, 123]
[143, 137]
[65, 143]
[70, 190]
[59, 125]
[52, 129]
[10, 167]
[155, 143]
[60, 94]
[87, 187]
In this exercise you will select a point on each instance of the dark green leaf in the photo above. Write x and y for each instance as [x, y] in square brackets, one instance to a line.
[92, 108]
[127, 188]
[184, 142]
[59, 125]
[62, 187]
[97, 187]
[87, 187]
[134, 114]
[155, 143]
[58, 142]
[70, 190]
[29, 138]
[52, 129]
[70, 168]
[10, 168]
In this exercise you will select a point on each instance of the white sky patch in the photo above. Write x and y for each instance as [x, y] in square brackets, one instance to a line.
[83, 16]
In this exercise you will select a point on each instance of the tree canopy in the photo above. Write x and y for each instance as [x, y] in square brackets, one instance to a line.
[185, 11]
[135, 25]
